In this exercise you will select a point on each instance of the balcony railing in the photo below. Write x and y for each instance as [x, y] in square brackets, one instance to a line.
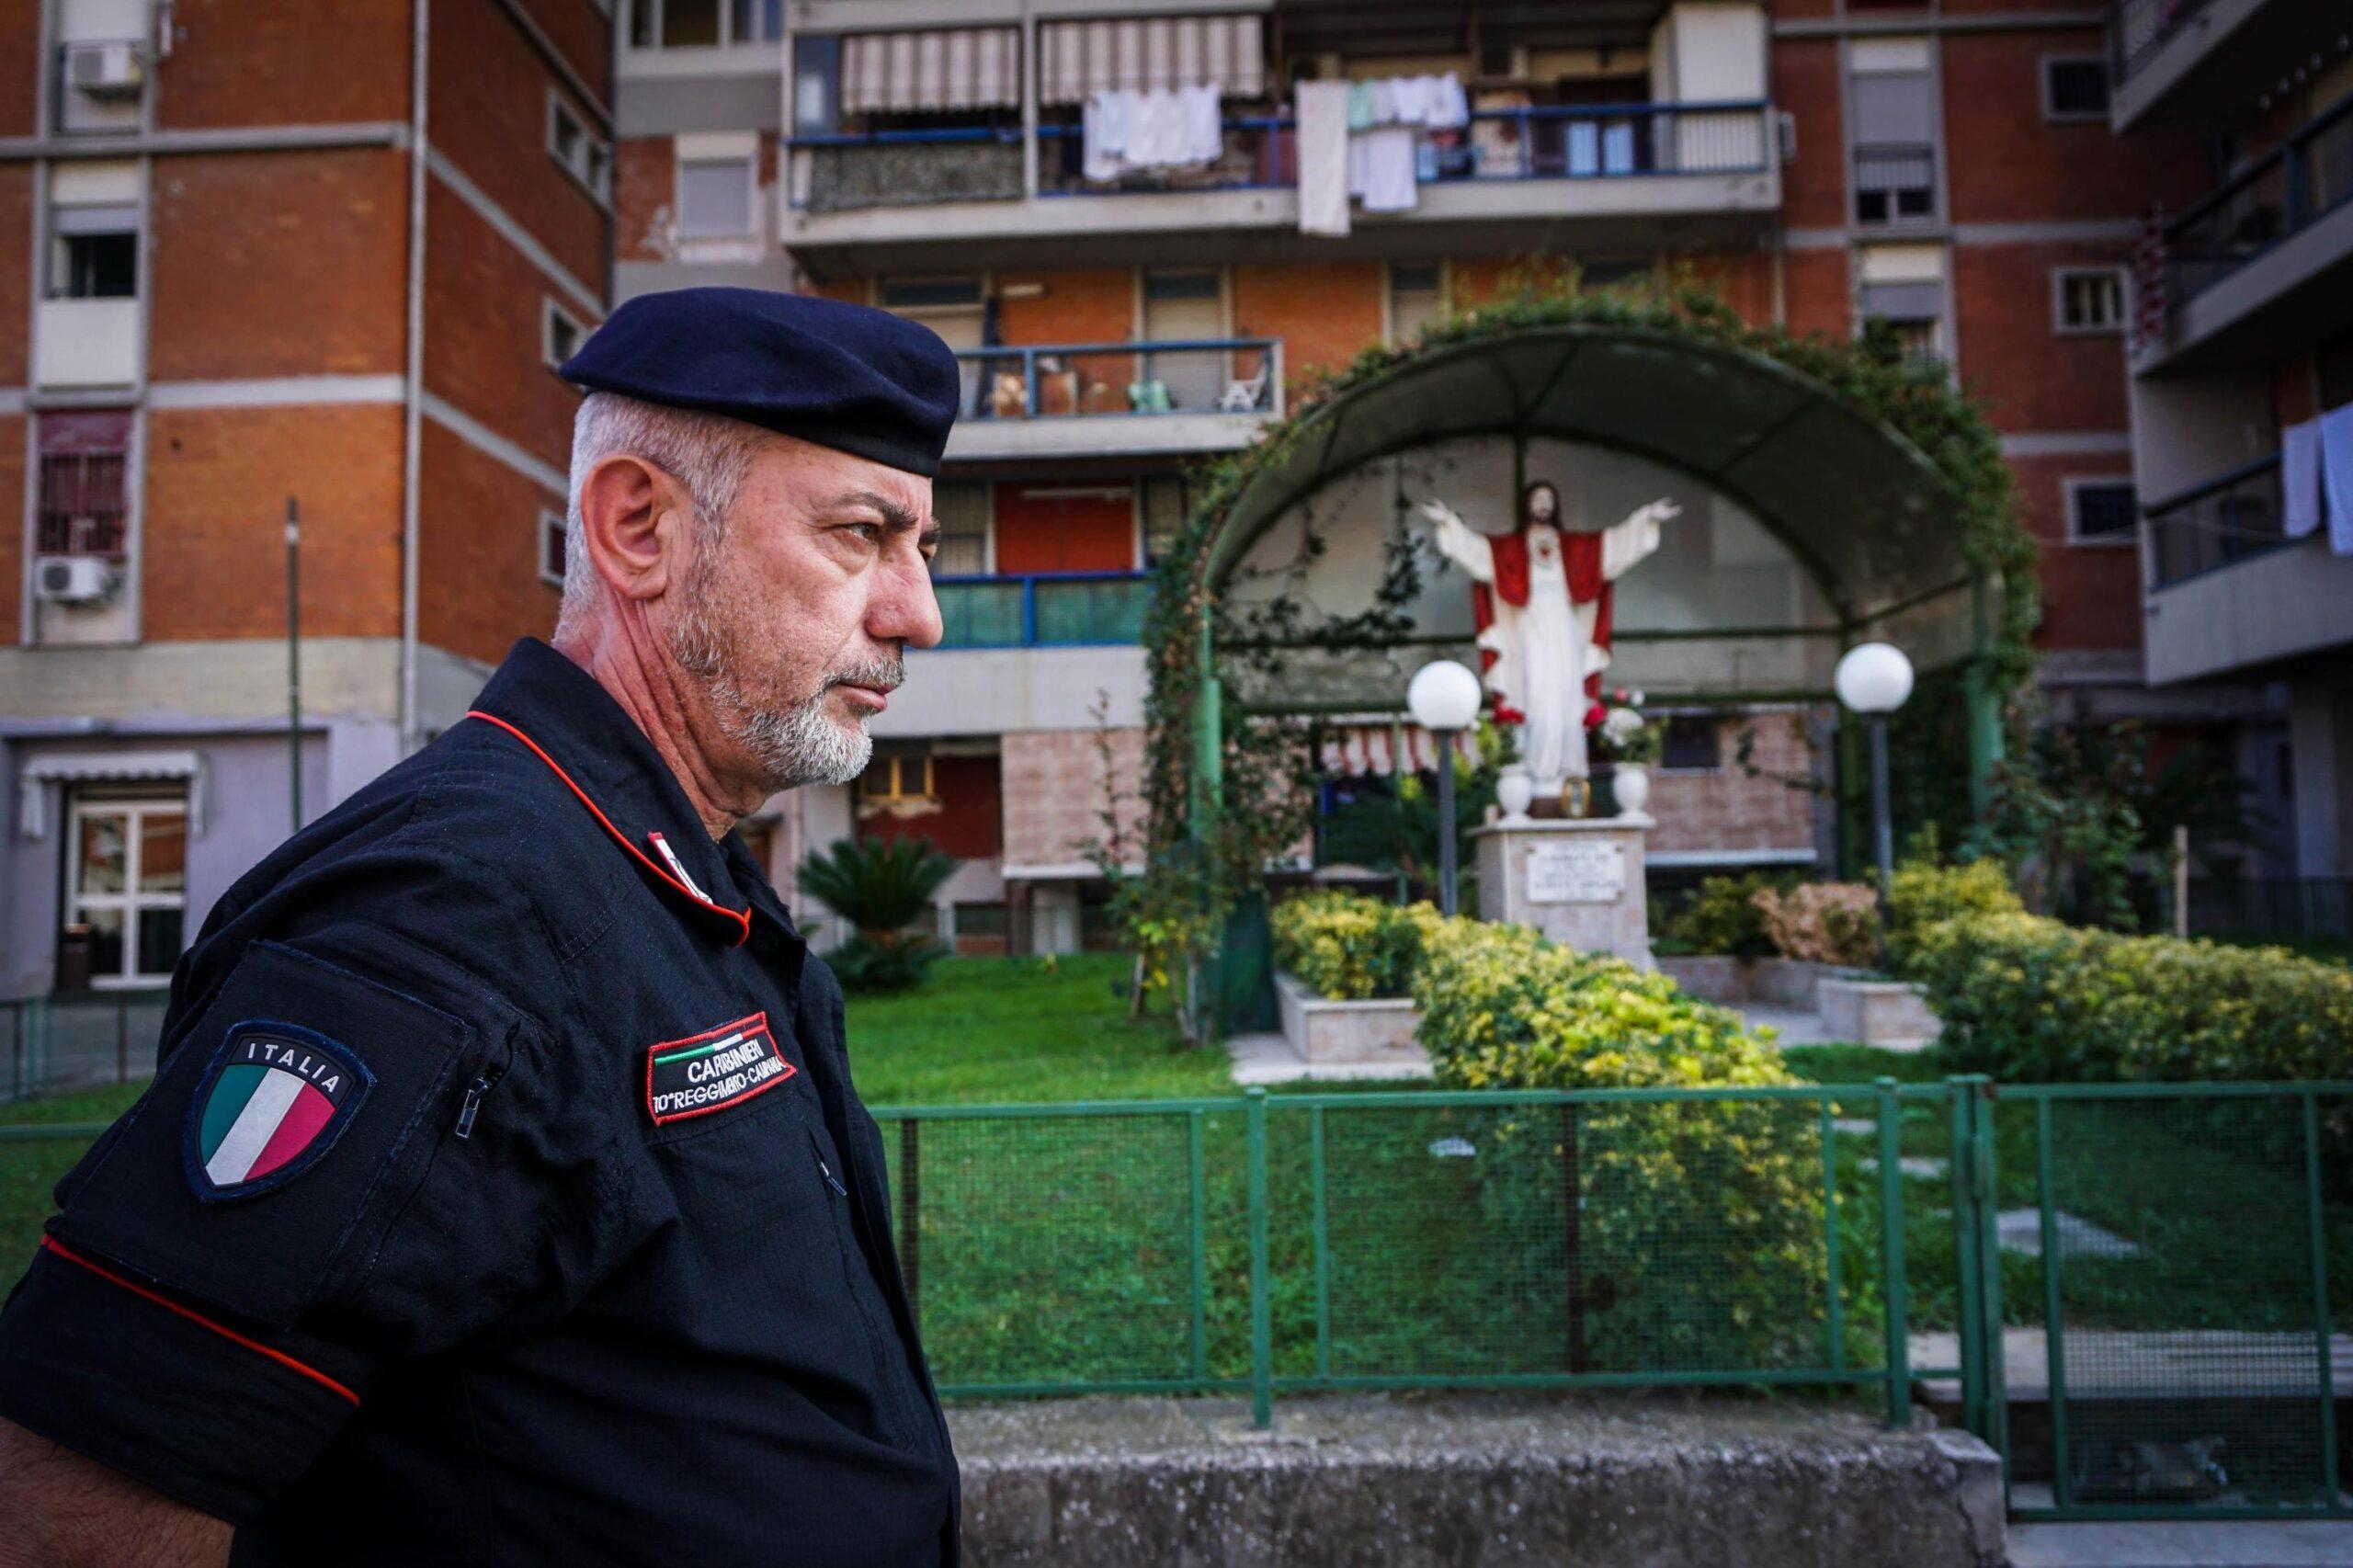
[2293, 186]
[1048, 380]
[2140, 28]
[1578, 142]
[2227, 519]
[1895, 183]
[1043, 610]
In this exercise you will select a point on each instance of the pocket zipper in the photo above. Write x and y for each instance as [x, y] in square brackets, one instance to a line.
[471, 1104]
[824, 1169]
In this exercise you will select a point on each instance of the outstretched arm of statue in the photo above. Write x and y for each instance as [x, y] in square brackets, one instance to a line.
[1459, 543]
[1625, 545]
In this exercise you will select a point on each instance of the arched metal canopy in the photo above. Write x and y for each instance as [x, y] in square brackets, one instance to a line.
[1859, 506]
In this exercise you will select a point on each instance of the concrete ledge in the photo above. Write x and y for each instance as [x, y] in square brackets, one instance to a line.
[1420, 1480]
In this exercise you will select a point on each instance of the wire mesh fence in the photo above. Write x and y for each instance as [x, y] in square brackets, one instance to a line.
[76, 1040]
[2141, 1295]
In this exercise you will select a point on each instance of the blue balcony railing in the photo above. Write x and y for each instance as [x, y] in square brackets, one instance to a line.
[1049, 380]
[1579, 141]
[2277, 197]
[1043, 610]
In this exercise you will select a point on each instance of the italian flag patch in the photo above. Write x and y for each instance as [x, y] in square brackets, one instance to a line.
[273, 1100]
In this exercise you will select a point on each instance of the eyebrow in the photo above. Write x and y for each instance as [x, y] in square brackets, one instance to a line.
[895, 518]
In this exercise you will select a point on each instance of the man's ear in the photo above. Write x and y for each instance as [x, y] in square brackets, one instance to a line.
[633, 523]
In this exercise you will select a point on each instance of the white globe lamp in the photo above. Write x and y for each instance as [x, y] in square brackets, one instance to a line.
[1873, 679]
[1444, 698]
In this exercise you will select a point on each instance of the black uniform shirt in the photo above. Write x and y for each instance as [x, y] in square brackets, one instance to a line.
[502, 1197]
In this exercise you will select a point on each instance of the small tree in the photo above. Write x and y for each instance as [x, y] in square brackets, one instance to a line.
[879, 888]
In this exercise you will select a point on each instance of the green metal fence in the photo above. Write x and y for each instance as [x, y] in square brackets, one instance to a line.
[2139, 1294]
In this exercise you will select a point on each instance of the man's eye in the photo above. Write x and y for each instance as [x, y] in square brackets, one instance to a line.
[870, 532]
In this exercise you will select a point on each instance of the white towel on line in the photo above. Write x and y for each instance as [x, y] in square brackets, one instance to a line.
[2300, 479]
[1323, 135]
[2336, 476]
[1389, 182]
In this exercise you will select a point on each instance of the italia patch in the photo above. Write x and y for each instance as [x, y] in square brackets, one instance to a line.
[272, 1102]
[712, 1070]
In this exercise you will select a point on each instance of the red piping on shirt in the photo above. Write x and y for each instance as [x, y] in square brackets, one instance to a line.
[737, 916]
[169, 1305]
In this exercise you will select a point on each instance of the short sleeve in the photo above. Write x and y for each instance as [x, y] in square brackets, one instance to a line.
[319, 1186]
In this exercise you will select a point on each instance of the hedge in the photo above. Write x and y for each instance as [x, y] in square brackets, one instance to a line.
[1350, 948]
[2032, 1000]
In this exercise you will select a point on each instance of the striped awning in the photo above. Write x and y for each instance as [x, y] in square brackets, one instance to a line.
[1149, 53]
[935, 69]
[1358, 750]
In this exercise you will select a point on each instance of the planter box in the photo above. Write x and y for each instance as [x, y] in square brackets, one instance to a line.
[1325, 1032]
[1853, 1005]
[1876, 1012]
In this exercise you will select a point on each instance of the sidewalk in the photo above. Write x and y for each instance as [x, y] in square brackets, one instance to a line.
[2297, 1544]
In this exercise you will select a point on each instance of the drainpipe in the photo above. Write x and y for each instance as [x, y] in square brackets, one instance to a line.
[412, 375]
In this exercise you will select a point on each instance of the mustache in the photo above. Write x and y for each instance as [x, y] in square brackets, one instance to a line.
[884, 674]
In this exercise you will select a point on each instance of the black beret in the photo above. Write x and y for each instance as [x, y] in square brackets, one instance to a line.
[841, 375]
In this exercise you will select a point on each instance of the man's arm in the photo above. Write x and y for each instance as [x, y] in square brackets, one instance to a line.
[64, 1511]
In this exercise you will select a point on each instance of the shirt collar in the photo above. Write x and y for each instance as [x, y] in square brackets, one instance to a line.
[559, 711]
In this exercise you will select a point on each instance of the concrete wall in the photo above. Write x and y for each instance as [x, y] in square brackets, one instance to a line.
[987, 692]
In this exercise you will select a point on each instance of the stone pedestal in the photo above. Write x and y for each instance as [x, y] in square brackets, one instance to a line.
[1578, 880]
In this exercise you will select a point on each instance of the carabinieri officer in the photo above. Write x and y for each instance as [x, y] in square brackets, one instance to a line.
[503, 1196]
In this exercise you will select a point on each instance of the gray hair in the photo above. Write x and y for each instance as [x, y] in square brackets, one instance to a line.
[708, 454]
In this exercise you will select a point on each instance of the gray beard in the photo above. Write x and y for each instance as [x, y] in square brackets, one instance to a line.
[795, 746]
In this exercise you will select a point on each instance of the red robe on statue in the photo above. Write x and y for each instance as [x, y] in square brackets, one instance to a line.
[1581, 561]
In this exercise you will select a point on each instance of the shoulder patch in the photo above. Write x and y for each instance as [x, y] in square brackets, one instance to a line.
[272, 1102]
[712, 1070]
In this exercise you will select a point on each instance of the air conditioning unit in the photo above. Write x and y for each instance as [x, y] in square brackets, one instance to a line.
[105, 70]
[72, 579]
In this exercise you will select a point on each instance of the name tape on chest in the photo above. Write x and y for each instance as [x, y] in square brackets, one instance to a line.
[713, 1070]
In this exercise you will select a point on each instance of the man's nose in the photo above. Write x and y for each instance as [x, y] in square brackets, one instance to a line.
[905, 609]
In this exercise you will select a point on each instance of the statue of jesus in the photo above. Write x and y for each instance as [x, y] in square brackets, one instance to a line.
[1541, 599]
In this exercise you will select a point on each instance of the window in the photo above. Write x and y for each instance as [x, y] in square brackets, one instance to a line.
[1912, 312]
[93, 250]
[755, 21]
[1890, 92]
[714, 197]
[816, 84]
[1166, 503]
[2075, 88]
[80, 508]
[583, 156]
[126, 884]
[1416, 297]
[689, 24]
[913, 294]
[1693, 743]
[560, 333]
[2102, 511]
[2088, 298]
[1607, 271]
[961, 507]
[551, 545]
[897, 773]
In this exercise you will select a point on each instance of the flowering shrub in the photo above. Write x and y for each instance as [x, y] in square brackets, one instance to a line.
[1822, 922]
[1350, 948]
[1700, 1225]
[1722, 916]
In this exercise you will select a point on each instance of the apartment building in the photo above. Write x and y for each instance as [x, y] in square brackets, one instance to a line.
[1953, 168]
[2242, 389]
[263, 256]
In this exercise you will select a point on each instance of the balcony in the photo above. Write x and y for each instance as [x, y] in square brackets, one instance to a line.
[2261, 268]
[2228, 589]
[2191, 64]
[86, 344]
[1620, 176]
[1060, 609]
[1048, 400]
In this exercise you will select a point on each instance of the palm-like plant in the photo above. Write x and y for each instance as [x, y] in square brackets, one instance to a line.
[879, 886]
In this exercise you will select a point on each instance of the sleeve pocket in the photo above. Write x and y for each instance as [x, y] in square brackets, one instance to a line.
[245, 1177]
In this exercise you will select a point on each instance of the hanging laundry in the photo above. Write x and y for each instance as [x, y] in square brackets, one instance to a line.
[1204, 125]
[1449, 108]
[1103, 126]
[2336, 476]
[1389, 182]
[1360, 106]
[1128, 133]
[1323, 147]
[2300, 479]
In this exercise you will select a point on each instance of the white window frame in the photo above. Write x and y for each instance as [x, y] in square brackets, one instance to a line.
[551, 527]
[1389, 293]
[129, 902]
[2051, 114]
[549, 314]
[2059, 324]
[592, 167]
[2125, 538]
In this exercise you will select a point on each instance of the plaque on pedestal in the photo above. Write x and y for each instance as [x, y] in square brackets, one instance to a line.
[1578, 880]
